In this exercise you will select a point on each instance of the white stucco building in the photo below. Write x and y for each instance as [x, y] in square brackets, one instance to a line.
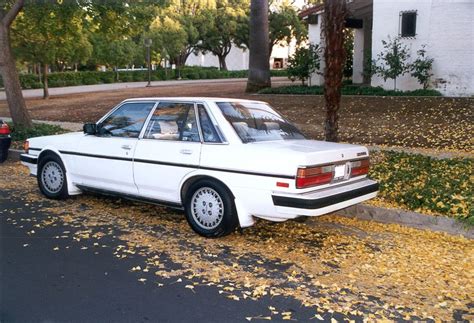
[446, 27]
[238, 59]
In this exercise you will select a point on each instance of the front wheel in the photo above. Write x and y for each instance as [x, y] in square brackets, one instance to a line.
[52, 177]
[210, 209]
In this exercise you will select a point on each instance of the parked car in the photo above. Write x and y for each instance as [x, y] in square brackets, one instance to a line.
[5, 140]
[223, 161]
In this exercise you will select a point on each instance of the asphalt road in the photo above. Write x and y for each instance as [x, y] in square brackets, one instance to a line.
[99, 259]
[75, 284]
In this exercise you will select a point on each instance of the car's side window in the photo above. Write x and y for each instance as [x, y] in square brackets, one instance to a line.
[173, 121]
[209, 132]
[127, 121]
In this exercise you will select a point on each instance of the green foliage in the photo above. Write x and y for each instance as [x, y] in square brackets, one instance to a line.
[425, 184]
[283, 23]
[421, 68]
[51, 33]
[20, 134]
[347, 89]
[392, 62]
[303, 63]
[218, 28]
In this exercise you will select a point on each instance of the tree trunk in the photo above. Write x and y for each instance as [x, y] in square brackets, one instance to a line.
[335, 12]
[222, 63]
[259, 64]
[11, 81]
[45, 82]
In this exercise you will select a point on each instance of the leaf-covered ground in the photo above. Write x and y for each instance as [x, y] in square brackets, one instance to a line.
[435, 123]
[350, 268]
[424, 184]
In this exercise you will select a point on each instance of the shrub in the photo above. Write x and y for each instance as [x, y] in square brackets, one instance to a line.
[392, 62]
[20, 134]
[421, 68]
[303, 63]
[426, 184]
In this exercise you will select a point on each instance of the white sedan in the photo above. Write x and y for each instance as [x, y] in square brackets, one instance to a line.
[224, 161]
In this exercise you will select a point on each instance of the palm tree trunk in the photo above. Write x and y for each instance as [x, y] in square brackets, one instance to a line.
[335, 12]
[259, 65]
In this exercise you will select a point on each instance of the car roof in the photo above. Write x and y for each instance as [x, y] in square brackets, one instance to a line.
[191, 98]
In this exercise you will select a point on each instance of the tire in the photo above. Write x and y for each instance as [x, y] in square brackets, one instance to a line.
[52, 179]
[210, 209]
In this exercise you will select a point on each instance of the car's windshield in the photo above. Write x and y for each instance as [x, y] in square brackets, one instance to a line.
[255, 121]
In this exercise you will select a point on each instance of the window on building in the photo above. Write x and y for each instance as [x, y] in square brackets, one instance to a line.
[408, 23]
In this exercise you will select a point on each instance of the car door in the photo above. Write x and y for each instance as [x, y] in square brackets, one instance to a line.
[104, 160]
[169, 150]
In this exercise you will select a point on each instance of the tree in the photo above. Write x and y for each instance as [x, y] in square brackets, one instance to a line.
[421, 68]
[11, 81]
[303, 63]
[392, 62]
[284, 25]
[51, 34]
[259, 65]
[115, 53]
[335, 13]
[189, 14]
[218, 28]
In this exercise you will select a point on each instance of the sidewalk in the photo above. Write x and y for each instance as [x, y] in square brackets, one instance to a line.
[38, 93]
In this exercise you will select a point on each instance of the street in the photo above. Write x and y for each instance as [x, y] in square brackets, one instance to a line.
[103, 259]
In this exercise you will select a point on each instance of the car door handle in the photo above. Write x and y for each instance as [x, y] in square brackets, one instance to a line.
[186, 151]
[126, 147]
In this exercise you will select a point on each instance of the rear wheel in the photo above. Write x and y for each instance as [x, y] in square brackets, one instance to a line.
[52, 177]
[210, 209]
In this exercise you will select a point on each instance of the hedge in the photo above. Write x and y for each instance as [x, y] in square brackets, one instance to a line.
[347, 90]
[30, 81]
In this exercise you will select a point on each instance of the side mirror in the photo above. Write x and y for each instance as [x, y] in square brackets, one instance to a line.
[90, 128]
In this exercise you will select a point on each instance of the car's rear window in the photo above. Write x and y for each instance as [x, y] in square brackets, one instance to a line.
[258, 122]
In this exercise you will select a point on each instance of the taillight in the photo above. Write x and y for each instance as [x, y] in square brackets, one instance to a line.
[360, 167]
[26, 146]
[4, 129]
[312, 176]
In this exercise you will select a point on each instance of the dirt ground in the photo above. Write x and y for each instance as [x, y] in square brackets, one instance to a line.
[436, 123]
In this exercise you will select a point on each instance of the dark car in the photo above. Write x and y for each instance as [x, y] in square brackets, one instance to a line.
[5, 140]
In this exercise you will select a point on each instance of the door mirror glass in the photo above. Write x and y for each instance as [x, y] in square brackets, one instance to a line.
[90, 128]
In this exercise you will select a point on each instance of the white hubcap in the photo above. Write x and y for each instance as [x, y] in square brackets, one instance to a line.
[52, 177]
[207, 208]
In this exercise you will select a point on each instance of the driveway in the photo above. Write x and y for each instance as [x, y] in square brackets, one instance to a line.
[101, 259]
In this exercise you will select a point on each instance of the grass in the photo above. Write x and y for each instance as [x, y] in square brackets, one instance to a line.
[347, 90]
[425, 184]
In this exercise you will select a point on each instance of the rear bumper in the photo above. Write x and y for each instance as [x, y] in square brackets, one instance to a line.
[325, 201]
[318, 203]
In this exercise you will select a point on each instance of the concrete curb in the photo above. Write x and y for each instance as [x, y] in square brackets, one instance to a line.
[409, 219]
[378, 214]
